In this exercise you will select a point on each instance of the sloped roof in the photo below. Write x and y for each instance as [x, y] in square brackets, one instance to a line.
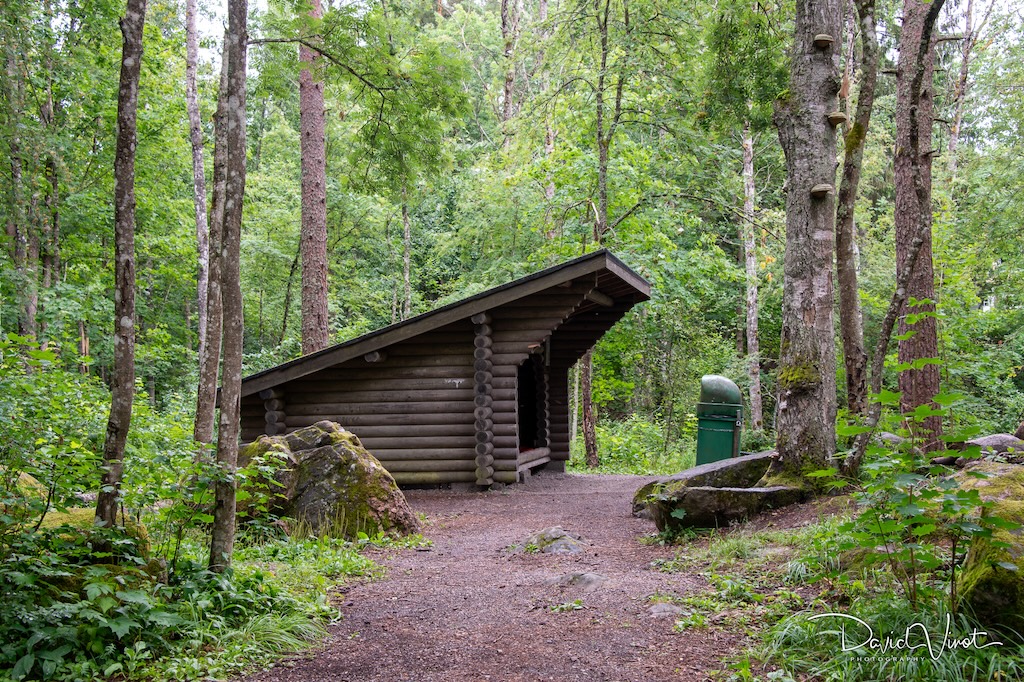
[613, 277]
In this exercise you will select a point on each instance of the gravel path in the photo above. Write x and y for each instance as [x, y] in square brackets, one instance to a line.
[469, 609]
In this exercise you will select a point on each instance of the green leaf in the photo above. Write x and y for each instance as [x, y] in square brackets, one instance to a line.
[23, 667]
[948, 399]
[134, 597]
[678, 513]
[164, 618]
[1001, 523]
[105, 603]
[887, 397]
[120, 626]
[850, 430]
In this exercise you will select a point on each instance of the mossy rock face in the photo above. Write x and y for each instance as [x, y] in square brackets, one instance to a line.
[991, 591]
[332, 483]
[715, 494]
[84, 519]
[713, 507]
[735, 472]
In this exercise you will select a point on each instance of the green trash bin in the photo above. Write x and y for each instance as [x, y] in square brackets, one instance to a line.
[719, 419]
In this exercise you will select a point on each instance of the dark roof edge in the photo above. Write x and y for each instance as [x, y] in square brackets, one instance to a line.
[612, 262]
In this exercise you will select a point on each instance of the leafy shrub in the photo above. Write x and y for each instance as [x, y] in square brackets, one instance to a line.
[638, 446]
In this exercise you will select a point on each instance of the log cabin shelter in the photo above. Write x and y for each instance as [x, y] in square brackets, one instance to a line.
[474, 392]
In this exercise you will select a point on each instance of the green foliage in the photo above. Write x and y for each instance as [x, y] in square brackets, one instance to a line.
[637, 446]
[803, 646]
[914, 517]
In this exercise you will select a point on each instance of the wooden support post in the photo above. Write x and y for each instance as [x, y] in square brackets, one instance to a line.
[482, 389]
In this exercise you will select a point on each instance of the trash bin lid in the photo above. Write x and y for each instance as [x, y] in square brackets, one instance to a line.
[715, 388]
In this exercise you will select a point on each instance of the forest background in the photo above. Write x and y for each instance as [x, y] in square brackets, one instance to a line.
[465, 145]
[464, 148]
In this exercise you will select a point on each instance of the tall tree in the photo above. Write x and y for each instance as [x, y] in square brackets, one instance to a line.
[918, 341]
[968, 47]
[209, 350]
[851, 321]
[914, 248]
[315, 322]
[510, 13]
[195, 131]
[806, 377]
[123, 384]
[222, 538]
[750, 266]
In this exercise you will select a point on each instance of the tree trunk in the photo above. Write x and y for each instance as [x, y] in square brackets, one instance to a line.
[406, 258]
[83, 347]
[914, 216]
[603, 138]
[288, 293]
[970, 41]
[315, 321]
[209, 353]
[222, 538]
[851, 321]
[549, 130]
[914, 249]
[585, 369]
[510, 36]
[1019, 433]
[17, 217]
[806, 377]
[750, 261]
[195, 131]
[123, 384]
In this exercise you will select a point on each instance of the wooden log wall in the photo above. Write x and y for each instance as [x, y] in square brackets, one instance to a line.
[412, 405]
[558, 412]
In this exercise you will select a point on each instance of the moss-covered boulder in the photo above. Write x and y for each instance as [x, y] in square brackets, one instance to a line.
[988, 586]
[714, 494]
[330, 482]
[735, 472]
[82, 519]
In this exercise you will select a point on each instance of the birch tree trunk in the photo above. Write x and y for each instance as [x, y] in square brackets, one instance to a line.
[750, 263]
[315, 320]
[195, 132]
[970, 41]
[510, 36]
[123, 384]
[223, 532]
[914, 215]
[406, 257]
[209, 353]
[806, 415]
[851, 321]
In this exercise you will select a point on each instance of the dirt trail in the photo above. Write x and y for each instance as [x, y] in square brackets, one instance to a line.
[468, 609]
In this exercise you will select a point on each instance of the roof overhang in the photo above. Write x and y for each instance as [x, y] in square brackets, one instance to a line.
[618, 282]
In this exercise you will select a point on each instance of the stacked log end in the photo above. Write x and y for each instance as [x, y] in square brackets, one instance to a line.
[274, 415]
[483, 401]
